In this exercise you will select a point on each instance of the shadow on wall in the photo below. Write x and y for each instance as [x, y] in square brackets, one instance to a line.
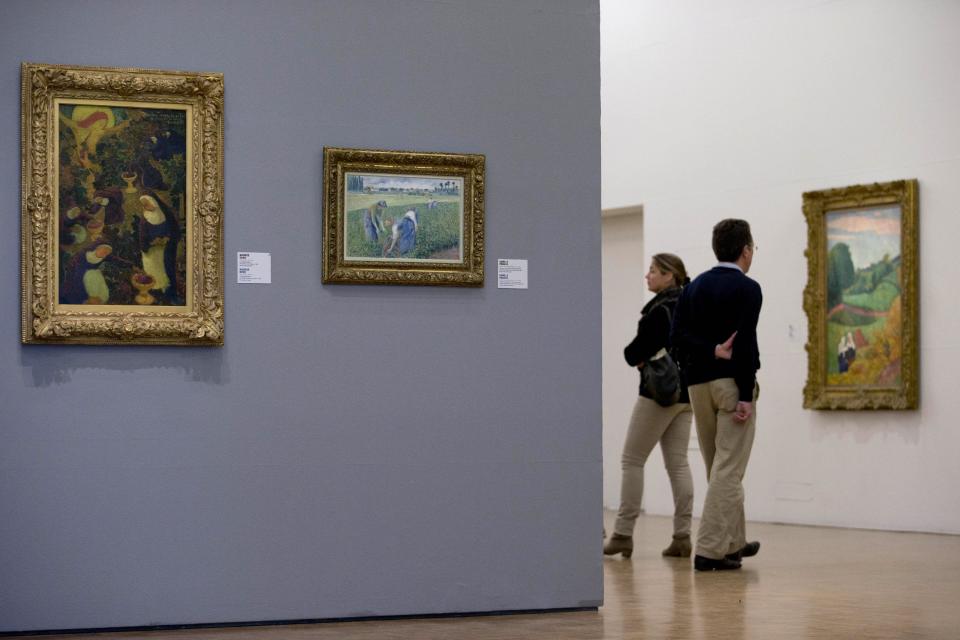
[56, 364]
[862, 427]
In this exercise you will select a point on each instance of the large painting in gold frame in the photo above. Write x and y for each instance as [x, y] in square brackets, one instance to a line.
[403, 217]
[122, 206]
[861, 297]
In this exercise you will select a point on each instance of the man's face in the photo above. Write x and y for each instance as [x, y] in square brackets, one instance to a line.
[747, 255]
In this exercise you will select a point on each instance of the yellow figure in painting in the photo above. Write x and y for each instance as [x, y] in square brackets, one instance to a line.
[90, 124]
[158, 235]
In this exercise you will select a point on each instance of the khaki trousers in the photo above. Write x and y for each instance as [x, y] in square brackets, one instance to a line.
[670, 426]
[726, 446]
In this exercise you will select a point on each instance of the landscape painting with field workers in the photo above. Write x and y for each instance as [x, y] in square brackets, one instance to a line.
[408, 218]
[864, 283]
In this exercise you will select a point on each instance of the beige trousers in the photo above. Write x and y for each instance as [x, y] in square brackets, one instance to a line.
[670, 426]
[726, 446]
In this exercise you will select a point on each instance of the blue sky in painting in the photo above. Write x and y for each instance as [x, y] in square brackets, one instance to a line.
[870, 233]
[406, 182]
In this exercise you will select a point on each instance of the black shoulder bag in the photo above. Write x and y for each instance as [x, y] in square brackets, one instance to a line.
[660, 375]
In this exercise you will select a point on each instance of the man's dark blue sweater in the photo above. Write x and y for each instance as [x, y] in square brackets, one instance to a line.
[713, 306]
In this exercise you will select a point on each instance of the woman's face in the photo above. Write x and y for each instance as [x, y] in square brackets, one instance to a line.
[657, 280]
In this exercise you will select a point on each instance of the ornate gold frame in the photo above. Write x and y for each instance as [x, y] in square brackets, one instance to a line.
[817, 394]
[468, 272]
[43, 318]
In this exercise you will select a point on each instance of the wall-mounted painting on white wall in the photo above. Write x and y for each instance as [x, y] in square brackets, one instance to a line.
[861, 297]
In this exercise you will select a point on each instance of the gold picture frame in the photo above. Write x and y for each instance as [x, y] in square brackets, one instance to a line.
[122, 206]
[861, 297]
[402, 217]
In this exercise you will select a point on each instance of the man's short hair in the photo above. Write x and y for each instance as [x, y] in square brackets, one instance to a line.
[730, 236]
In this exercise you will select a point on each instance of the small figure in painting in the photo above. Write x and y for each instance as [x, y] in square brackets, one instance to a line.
[74, 236]
[111, 202]
[150, 176]
[168, 144]
[90, 124]
[404, 235]
[73, 233]
[372, 226]
[159, 236]
[85, 283]
[842, 364]
[847, 350]
[851, 348]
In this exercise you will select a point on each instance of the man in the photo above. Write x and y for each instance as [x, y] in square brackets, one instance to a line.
[372, 226]
[715, 331]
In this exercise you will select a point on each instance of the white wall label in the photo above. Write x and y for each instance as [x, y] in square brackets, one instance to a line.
[253, 267]
[511, 274]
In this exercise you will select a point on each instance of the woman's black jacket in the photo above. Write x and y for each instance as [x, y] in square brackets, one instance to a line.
[653, 333]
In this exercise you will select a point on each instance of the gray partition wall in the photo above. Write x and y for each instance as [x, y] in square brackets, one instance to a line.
[351, 451]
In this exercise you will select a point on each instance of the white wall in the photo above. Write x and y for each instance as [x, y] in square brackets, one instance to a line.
[734, 109]
[623, 297]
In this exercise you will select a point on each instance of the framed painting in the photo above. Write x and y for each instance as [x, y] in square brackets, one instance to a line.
[403, 217]
[122, 206]
[861, 297]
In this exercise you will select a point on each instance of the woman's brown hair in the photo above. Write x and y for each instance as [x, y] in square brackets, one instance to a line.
[670, 263]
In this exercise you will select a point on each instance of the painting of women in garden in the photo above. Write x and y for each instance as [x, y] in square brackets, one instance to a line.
[408, 218]
[864, 285]
[122, 198]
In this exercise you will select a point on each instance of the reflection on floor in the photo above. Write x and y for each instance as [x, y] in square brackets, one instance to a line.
[806, 582]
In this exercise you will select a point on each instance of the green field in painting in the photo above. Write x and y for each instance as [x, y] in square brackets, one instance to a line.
[438, 228]
[363, 200]
[868, 303]
[877, 300]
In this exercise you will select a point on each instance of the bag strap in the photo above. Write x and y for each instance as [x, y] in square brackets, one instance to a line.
[666, 307]
[669, 350]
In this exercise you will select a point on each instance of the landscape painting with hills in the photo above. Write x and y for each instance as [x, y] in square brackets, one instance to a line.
[864, 283]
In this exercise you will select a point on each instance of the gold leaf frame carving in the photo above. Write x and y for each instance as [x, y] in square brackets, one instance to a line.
[43, 318]
[817, 394]
[338, 268]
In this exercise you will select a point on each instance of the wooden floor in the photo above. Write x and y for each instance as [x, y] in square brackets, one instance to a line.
[806, 582]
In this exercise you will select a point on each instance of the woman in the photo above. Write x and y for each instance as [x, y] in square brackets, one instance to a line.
[651, 423]
[404, 235]
[84, 282]
[159, 234]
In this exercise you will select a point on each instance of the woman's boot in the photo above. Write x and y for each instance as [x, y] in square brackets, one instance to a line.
[680, 547]
[619, 544]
